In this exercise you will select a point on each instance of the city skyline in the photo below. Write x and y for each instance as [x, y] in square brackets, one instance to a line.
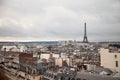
[38, 20]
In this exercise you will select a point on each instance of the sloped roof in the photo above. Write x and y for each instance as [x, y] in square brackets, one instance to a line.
[117, 75]
[99, 70]
[88, 76]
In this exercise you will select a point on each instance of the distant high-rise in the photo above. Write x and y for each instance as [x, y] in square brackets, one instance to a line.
[85, 39]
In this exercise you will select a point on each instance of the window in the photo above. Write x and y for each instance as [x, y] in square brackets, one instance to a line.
[115, 56]
[116, 63]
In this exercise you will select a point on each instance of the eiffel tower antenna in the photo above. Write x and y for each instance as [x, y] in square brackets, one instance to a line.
[85, 40]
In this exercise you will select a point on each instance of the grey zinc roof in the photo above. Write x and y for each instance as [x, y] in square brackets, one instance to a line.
[117, 75]
[103, 69]
[88, 76]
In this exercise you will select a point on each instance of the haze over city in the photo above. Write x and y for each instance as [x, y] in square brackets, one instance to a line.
[36, 20]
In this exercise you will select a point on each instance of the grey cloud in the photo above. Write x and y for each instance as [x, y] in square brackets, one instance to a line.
[11, 30]
[60, 19]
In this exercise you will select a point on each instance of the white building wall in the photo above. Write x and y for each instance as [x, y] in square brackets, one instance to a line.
[23, 48]
[56, 55]
[63, 55]
[15, 50]
[8, 48]
[59, 62]
[108, 60]
[90, 67]
[45, 56]
[69, 61]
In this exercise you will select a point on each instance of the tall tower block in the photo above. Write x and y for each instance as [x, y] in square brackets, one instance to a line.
[85, 39]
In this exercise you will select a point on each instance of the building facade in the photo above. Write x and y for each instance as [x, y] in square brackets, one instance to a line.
[110, 60]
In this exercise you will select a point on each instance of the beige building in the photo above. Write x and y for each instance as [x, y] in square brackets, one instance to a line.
[59, 61]
[110, 60]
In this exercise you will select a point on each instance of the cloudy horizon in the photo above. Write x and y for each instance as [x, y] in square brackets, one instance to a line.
[37, 20]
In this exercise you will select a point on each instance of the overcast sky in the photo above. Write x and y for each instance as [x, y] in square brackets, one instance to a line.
[37, 20]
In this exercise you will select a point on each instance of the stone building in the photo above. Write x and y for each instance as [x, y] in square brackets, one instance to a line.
[110, 59]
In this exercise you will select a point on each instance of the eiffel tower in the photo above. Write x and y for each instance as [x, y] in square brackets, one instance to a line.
[85, 39]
